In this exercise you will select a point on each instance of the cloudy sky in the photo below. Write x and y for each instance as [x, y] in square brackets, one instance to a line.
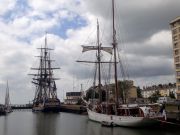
[144, 40]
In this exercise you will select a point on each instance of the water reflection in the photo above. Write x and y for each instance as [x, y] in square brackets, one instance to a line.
[28, 123]
[5, 126]
[72, 124]
[45, 124]
[96, 129]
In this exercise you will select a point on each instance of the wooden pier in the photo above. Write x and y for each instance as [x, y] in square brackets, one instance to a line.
[21, 106]
[79, 109]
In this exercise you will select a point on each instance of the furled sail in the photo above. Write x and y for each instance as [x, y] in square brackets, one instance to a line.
[89, 48]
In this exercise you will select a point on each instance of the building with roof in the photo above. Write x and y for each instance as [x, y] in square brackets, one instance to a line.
[164, 90]
[175, 28]
[72, 97]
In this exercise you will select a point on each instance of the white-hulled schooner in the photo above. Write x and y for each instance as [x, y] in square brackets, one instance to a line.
[45, 99]
[112, 113]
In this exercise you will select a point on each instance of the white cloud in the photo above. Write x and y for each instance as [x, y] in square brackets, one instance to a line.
[158, 45]
[161, 38]
[21, 23]
[54, 5]
[45, 5]
[14, 64]
[6, 5]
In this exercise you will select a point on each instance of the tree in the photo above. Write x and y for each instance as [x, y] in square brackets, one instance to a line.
[124, 87]
[91, 94]
[170, 84]
[139, 94]
[154, 97]
[172, 95]
[160, 85]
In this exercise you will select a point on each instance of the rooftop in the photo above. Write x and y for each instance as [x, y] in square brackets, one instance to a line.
[159, 87]
[175, 20]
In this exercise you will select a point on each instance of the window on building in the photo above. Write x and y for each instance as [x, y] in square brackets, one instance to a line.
[178, 87]
[177, 66]
[178, 73]
[175, 38]
[174, 31]
[178, 80]
[177, 59]
[176, 52]
[177, 23]
[175, 45]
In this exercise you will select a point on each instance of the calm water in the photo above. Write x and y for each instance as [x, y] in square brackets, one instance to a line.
[28, 123]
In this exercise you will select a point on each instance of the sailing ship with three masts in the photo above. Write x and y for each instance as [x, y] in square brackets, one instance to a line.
[45, 99]
[114, 112]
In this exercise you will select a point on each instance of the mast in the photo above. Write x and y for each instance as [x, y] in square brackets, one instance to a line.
[115, 61]
[50, 76]
[7, 101]
[99, 63]
[44, 80]
[45, 67]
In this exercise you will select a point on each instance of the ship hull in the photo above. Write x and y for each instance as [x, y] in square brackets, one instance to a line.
[125, 121]
[48, 106]
[46, 109]
[51, 109]
[8, 111]
[37, 109]
[2, 112]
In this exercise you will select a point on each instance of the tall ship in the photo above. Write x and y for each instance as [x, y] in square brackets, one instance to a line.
[45, 99]
[116, 111]
[7, 106]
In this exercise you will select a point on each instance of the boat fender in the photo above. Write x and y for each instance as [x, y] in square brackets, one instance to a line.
[111, 117]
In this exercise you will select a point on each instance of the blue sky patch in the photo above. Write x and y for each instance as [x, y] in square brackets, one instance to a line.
[65, 24]
[20, 9]
[24, 39]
